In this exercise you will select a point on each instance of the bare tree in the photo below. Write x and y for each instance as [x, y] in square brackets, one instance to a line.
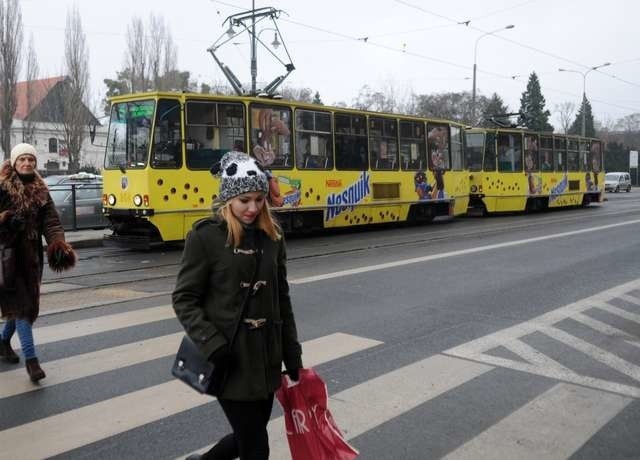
[155, 47]
[31, 75]
[565, 112]
[75, 115]
[136, 55]
[11, 36]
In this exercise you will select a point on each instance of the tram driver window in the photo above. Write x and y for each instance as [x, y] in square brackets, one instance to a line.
[167, 136]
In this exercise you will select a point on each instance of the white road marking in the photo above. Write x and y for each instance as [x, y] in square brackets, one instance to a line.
[619, 311]
[444, 255]
[374, 402]
[73, 429]
[85, 327]
[631, 299]
[552, 426]
[599, 326]
[595, 352]
[536, 363]
[75, 367]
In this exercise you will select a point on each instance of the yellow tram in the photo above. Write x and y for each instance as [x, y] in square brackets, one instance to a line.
[518, 170]
[329, 167]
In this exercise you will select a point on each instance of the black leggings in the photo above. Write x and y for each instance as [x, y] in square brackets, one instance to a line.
[249, 439]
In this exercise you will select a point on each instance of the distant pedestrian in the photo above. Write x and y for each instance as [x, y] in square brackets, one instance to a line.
[27, 213]
[237, 257]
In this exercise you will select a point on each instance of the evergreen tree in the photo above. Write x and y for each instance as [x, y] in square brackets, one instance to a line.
[316, 99]
[495, 107]
[576, 127]
[533, 114]
[616, 157]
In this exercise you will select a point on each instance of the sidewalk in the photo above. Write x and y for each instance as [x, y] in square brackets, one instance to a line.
[86, 238]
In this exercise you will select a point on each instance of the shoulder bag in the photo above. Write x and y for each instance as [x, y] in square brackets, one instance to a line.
[191, 366]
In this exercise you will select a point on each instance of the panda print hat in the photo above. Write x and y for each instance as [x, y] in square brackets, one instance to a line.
[239, 173]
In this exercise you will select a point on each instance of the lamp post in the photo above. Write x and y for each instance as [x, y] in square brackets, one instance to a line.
[475, 54]
[584, 90]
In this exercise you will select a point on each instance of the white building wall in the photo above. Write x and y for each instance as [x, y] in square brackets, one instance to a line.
[91, 154]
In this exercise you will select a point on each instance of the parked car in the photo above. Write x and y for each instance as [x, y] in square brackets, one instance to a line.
[616, 181]
[79, 194]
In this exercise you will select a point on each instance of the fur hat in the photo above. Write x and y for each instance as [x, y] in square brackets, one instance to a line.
[239, 173]
[22, 149]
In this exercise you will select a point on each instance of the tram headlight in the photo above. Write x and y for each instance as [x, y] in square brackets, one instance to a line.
[111, 199]
[137, 200]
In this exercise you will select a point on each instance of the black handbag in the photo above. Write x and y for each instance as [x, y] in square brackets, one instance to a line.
[7, 268]
[193, 368]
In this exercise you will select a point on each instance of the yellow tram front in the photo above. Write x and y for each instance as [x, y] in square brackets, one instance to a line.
[328, 167]
[517, 170]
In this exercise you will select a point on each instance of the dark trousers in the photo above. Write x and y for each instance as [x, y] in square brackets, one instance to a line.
[249, 439]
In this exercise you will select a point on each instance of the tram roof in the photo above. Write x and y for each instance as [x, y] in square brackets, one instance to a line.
[283, 102]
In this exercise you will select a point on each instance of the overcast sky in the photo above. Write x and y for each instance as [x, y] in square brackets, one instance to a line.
[411, 45]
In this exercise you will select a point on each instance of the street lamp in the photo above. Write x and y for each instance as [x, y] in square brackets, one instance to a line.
[475, 53]
[275, 43]
[584, 90]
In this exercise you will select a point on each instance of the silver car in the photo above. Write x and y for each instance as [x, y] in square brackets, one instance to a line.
[617, 181]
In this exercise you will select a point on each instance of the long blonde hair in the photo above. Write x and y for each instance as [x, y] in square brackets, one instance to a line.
[235, 231]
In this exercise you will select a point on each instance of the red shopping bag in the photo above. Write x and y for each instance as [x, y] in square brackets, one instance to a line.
[311, 431]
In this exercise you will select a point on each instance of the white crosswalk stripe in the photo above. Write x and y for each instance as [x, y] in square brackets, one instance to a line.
[60, 433]
[544, 428]
[566, 413]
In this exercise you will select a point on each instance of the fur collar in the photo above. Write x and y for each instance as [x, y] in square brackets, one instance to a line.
[24, 196]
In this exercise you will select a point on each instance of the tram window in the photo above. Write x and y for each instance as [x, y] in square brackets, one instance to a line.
[201, 113]
[573, 158]
[129, 134]
[560, 154]
[383, 143]
[531, 153]
[473, 150]
[166, 152]
[314, 144]
[438, 145]
[213, 129]
[509, 152]
[413, 148]
[489, 162]
[271, 136]
[456, 148]
[546, 154]
[584, 156]
[595, 154]
[351, 142]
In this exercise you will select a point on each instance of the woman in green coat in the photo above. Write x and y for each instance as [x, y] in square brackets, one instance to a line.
[233, 277]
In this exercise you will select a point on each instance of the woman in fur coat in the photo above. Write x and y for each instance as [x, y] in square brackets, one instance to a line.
[27, 213]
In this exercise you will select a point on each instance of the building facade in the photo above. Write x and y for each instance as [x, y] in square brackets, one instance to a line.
[37, 121]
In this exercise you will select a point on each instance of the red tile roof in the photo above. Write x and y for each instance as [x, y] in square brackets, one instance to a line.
[39, 89]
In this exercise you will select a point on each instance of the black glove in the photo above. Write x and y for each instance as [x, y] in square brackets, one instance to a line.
[294, 374]
[221, 357]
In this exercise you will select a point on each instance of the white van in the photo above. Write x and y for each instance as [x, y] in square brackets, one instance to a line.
[616, 181]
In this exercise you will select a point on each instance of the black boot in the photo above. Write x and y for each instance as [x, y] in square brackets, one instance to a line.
[7, 353]
[34, 370]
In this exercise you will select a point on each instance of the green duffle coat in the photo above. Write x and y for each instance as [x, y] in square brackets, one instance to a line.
[213, 282]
